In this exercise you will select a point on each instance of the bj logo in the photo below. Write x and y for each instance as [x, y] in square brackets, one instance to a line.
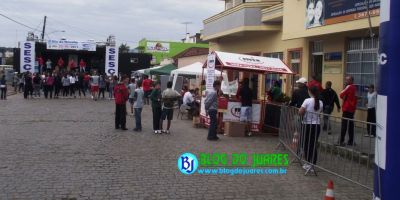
[187, 163]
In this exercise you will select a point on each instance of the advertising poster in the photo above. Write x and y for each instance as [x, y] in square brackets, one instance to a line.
[326, 12]
[161, 47]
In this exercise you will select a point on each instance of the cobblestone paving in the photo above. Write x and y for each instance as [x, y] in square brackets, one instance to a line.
[68, 148]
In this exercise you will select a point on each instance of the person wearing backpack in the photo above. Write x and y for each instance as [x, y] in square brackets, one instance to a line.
[329, 98]
[169, 97]
[121, 96]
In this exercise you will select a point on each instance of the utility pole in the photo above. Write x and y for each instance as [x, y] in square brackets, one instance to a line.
[44, 28]
[186, 24]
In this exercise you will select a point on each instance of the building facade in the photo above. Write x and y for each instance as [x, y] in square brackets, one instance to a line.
[323, 38]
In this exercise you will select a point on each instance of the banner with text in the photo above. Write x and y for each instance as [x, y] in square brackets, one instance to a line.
[161, 47]
[233, 112]
[210, 71]
[111, 60]
[27, 58]
[326, 12]
[70, 45]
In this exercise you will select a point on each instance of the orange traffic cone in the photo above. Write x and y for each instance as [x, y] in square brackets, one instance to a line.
[329, 191]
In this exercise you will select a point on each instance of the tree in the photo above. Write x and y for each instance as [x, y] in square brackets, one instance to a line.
[124, 48]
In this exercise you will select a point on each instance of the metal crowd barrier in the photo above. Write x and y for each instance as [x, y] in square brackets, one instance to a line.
[319, 148]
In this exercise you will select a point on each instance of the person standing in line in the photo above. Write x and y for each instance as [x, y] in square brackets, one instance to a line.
[71, 65]
[111, 87]
[147, 83]
[3, 88]
[131, 88]
[300, 94]
[57, 85]
[72, 86]
[80, 85]
[371, 117]
[37, 81]
[94, 85]
[48, 86]
[28, 85]
[102, 86]
[169, 97]
[211, 106]
[138, 106]
[245, 95]
[121, 96]
[329, 98]
[349, 108]
[315, 83]
[310, 110]
[65, 83]
[86, 81]
[155, 98]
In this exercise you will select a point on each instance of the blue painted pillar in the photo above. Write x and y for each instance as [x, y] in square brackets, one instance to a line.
[387, 150]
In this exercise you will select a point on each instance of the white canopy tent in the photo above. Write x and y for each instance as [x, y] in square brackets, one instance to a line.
[195, 69]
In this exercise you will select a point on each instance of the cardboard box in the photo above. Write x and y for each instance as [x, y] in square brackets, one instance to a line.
[235, 129]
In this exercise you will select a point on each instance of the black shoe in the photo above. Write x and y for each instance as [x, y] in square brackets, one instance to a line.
[351, 144]
[124, 129]
[137, 130]
[341, 144]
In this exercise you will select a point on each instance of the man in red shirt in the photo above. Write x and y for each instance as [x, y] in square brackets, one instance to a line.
[315, 83]
[82, 65]
[146, 85]
[41, 64]
[121, 96]
[71, 65]
[349, 108]
[60, 64]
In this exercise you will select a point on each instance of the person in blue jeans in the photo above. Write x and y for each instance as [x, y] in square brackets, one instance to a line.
[211, 106]
[138, 106]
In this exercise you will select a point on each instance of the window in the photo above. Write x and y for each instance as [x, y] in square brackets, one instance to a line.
[295, 65]
[361, 63]
[271, 78]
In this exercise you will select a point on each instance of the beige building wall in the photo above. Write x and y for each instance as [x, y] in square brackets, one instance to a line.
[182, 62]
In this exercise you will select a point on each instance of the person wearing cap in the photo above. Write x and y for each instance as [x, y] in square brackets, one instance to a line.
[300, 94]
[314, 83]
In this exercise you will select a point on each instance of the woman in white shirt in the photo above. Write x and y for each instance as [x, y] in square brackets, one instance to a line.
[311, 110]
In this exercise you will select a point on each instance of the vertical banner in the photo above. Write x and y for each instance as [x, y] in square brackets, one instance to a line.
[210, 71]
[387, 147]
[27, 57]
[111, 60]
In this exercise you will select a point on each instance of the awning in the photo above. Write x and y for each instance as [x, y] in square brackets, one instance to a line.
[164, 70]
[244, 62]
[147, 71]
[194, 69]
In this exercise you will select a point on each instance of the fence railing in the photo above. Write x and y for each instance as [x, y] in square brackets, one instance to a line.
[341, 146]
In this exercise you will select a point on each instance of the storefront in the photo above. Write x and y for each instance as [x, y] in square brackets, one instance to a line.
[246, 66]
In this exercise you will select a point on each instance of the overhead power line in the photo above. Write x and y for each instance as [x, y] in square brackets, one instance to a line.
[22, 24]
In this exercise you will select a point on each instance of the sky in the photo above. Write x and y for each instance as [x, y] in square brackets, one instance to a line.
[129, 20]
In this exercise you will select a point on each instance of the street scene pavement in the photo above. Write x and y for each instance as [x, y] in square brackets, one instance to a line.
[69, 149]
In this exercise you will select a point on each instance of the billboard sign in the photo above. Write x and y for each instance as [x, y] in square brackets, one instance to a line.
[161, 47]
[326, 12]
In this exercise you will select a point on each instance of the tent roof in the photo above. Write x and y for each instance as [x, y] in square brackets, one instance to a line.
[194, 69]
[250, 63]
[164, 70]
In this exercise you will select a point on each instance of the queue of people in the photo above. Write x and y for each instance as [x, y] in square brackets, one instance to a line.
[64, 85]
